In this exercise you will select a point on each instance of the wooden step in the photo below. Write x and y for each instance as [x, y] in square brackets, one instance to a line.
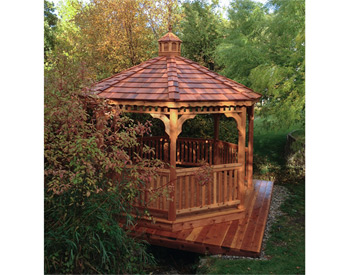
[193, 220]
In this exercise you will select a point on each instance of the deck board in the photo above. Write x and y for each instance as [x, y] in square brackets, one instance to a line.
[241, 237]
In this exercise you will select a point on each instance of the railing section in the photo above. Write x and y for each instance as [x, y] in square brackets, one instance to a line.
[160, 146]
[194, 151]
[155, 196]
[190, 151]
[193, 196]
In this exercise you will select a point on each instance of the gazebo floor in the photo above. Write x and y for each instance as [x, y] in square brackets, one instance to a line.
[238, 237]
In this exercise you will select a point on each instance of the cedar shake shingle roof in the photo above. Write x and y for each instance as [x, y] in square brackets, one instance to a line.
[167, 78]
[170, 77]
[169, 37]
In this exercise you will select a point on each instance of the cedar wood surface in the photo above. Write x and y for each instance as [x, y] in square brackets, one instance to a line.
[241, 237]
[172, 78]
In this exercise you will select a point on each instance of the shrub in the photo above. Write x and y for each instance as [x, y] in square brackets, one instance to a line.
[295, 153]
[89, 185]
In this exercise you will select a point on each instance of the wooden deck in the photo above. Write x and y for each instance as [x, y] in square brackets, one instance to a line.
[240, 237]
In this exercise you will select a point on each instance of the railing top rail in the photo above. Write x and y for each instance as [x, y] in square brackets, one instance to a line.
[215, 168]
[153, 137]
[190, 139]
[160, 171]
[196, 139]
[227, 166]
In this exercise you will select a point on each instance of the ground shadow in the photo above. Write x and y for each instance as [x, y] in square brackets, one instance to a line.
[173, 261]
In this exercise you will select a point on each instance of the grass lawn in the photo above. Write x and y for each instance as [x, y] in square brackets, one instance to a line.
[285, 249]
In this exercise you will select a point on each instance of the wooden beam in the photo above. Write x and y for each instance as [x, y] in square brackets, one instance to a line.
[181, 121]
[165, 120]
[241, 156]
[250, 146]
[216, 138]
[172, 104]
[173, 177]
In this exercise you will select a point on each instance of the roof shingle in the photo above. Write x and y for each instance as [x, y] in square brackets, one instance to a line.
[172, 78]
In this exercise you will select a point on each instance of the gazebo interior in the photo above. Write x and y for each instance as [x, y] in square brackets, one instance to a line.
[227, 215]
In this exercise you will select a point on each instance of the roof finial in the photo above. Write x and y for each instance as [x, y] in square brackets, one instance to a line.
[170, 28]
[169, 17]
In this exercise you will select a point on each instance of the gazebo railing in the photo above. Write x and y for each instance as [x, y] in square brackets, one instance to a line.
[192, 196]
[190, 151]
[193, 151]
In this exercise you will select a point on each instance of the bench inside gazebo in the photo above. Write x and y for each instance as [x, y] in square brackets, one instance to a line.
[227, 215]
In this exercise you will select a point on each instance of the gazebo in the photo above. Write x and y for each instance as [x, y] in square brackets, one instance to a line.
[227, 215]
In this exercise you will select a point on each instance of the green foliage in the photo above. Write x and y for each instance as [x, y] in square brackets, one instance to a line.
[244, 45]
[265, 51]
[200, 31]
[88, 238]
[50, 27]
[295, 154]
[202, 126]
[89, 187]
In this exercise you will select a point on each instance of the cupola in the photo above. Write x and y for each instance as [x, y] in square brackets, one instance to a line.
[169, 45]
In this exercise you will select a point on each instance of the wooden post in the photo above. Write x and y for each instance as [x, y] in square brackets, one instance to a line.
[241, 155]
[173, 178]
[250, 146]
[216, 138]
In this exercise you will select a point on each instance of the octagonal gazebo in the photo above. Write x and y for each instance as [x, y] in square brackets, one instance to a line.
[174, 89]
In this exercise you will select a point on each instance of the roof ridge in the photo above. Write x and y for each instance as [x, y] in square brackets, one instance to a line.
[126, 73]
[173, 81]
[217, 76]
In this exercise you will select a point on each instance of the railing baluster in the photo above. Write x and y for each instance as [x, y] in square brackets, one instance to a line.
[203, 194]
[214, 187]
[157, 191]
[230, 180]
[198, 194]
[225, 187]
[220, 185]
[192, 191]
[191, 151]
[235, 184]
[187, 191]
[180, 192]
[165, 181]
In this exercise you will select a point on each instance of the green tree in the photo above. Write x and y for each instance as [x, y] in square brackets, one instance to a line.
[245, 41]
[201, 31]
[264, 49]
[281, 79]
[50, 27]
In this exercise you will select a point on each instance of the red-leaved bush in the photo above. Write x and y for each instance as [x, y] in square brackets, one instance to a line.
[90, 184]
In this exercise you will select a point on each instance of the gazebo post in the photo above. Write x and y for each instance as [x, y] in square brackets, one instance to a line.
[250, 146]
[216, 137]
[173, 178]
[241, 155]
